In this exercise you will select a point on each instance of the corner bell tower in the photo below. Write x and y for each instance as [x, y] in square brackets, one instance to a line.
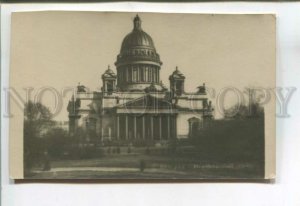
[109, 81]
[177, 82]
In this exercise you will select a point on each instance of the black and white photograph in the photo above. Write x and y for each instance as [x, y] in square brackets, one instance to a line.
[108, 95]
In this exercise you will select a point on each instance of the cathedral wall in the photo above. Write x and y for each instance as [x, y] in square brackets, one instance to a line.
[123, 97]
[84, 95]
[190, 103]
[109, 102]
[82, 120]
[108, 130]
[183, 124]
[85, 104]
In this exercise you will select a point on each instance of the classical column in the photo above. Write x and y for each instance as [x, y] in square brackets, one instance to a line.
[174, 125]
[109, 133]
[134, 119]
[158, 74]
[146, 74]
[151, 119]
[104, 86]
[133, 74]
[144, 126]
[168, 126]
[149, 74]
[126, 127]
[160, 126]
[118, 127]
[101, 132]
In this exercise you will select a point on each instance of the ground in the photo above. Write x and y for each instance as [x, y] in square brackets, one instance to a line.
[127, 166]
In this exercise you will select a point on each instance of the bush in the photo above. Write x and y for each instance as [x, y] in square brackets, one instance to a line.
[57, 142]
[129, 150]
[118, 150]
[235, 140]
[147, 150]
[142, 165]
[108, 150]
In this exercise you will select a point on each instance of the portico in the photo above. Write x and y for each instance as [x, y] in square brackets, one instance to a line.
[155, 120]
[145, 126]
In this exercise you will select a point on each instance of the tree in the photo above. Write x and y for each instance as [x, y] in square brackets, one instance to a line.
[244, 111]
[37, 118]
[57, 141]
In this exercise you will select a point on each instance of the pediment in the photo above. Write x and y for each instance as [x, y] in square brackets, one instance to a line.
[149, 102]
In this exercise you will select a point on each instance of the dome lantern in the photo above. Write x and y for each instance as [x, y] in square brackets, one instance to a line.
[137, 23]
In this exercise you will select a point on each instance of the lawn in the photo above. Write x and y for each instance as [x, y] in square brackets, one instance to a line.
[126, 166]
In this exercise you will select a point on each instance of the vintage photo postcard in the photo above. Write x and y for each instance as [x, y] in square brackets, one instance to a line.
[108, 95]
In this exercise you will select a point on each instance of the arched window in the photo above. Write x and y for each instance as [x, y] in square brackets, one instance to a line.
[195, 124]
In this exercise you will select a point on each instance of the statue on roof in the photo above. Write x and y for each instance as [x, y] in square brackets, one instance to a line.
[81, 88]
[201, 89]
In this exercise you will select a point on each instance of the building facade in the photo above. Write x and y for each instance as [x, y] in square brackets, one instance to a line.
[134, 104]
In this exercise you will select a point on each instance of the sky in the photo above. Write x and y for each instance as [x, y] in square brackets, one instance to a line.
[61, 49]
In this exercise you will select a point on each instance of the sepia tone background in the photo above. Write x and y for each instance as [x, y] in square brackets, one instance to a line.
[60, 49]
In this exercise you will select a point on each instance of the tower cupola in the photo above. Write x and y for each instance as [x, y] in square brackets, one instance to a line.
[177, 82]
[109, 81]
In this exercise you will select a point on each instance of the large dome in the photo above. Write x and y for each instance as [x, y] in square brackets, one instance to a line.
[137, 46]
[137, 38]
[138, 64]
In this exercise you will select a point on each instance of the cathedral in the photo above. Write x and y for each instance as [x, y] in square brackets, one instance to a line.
[134, 104]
